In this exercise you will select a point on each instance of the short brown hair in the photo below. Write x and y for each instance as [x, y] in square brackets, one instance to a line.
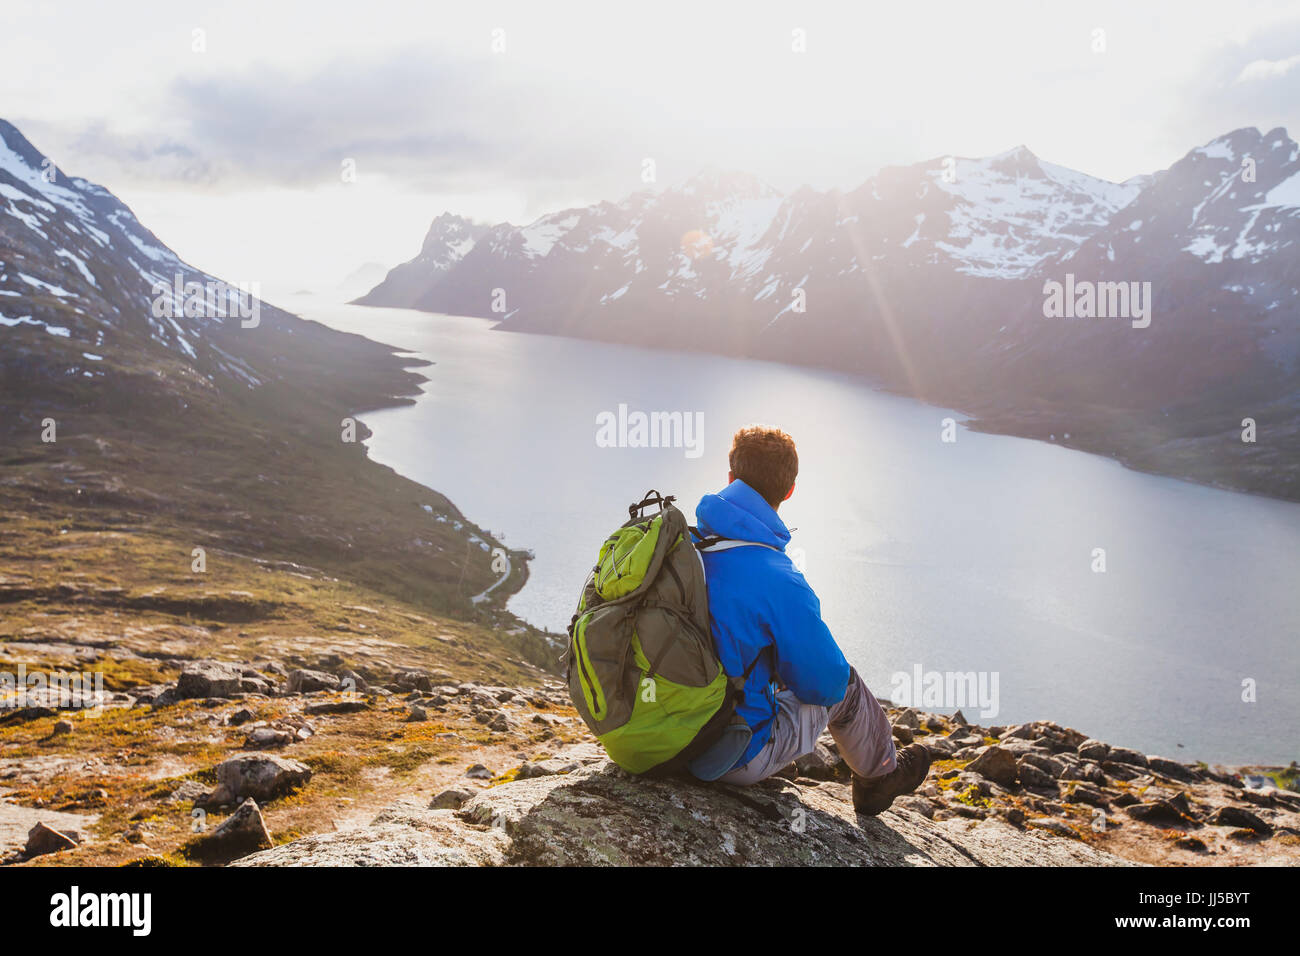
[765, 459]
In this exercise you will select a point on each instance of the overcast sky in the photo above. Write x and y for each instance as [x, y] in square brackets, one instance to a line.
[230, 143]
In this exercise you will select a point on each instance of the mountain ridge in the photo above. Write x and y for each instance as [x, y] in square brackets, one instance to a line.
[931, 280]
[152, 396]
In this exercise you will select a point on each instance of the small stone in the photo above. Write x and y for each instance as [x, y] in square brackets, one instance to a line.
[916, 804]
[188, 791]
[1240, 817]
[1052, 825]
[1193, 843]
[451, 799]
[1083, 793]
[42, 840]
[940, 746]
[336, 707]
[1157, 813]
[417, 715]
[1124, 755]
[1173, 769]
[263, 737]
[308, 682]
[479, 772]
[530, 770]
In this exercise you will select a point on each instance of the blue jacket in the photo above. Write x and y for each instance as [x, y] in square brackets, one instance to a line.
[762, 607]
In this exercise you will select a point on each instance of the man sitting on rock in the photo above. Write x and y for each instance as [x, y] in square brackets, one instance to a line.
[768, 627]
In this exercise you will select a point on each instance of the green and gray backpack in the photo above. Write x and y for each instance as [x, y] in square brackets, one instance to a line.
[642, 668]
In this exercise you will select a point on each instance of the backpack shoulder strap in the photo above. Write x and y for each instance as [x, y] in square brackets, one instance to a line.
[716, 542]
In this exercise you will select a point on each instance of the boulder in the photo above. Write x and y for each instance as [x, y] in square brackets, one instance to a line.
[1093, 750]
[1083, 793]
[209, 679]
[413, 680]
[1124, 755]
[1241, 818]
[1020, 746]
[260, 776]
[241, 833]
[260, 738]
[1084, 770]
[996, 764]
[1159, 813]
[909, 718]
[1031, 775]
[42, 840]
[821, 764]
[351, 681]
[1172, 769]
[599, 815]
[530, 770]
[336, 707]
[190, 791]
[940, 747]
[1052, 766]
[450, 799]
[307, 682]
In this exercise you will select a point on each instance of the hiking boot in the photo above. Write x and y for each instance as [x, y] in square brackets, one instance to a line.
[872, 795]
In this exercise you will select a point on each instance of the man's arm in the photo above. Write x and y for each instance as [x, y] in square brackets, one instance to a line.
[808, 660]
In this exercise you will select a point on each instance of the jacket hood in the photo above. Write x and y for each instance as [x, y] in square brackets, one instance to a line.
[738, 511]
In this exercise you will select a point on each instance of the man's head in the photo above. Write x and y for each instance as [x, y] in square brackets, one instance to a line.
[764, 458]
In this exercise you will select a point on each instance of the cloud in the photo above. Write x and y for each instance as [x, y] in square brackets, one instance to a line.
[1255, 82]
[432, 124]
[1267, 69]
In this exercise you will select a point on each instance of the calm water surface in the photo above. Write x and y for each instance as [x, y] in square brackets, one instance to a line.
[970, 556]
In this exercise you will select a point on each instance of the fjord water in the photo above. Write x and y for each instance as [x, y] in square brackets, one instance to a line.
[970, 556]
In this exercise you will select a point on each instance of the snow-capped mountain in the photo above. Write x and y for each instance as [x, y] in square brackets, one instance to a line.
[92, 301]
[952, 247]
[932, 278]
[728, 239]
[446, 243]
[1217, 236]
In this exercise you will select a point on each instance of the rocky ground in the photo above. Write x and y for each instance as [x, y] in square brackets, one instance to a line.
[310, 686]
[299, 759]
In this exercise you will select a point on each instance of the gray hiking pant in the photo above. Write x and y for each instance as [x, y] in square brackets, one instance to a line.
[858, 723]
